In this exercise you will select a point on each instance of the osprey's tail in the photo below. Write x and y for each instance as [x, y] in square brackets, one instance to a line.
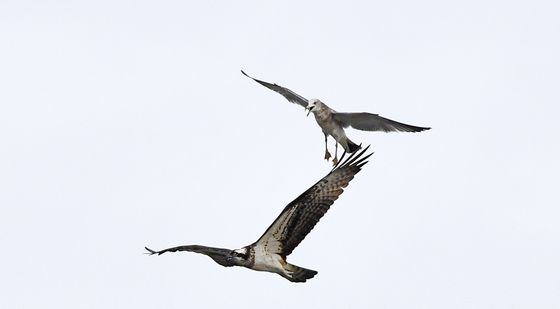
[299, 274]
[352, 147]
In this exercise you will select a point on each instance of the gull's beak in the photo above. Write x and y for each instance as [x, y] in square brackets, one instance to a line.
[309, 110]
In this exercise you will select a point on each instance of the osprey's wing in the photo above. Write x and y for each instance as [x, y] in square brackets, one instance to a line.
[287, 93]
[217, 254]
[301, 215]
[373, 122]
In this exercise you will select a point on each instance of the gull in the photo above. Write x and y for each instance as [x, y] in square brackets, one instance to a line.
[297, 219]
[332, 123]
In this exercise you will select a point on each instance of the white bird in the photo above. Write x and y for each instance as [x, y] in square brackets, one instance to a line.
[333, 123]
[269, 252]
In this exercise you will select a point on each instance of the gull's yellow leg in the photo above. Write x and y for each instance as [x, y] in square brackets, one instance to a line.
[335, 160]
[327, 153]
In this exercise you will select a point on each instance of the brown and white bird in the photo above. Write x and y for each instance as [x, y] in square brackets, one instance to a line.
[332, 123]
[269, 252]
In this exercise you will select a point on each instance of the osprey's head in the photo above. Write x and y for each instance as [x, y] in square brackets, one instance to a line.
[239, 256]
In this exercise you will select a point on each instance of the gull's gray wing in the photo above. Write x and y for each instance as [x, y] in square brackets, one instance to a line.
[217, 254]
[301, 215]
[373, 122]
[287, 93]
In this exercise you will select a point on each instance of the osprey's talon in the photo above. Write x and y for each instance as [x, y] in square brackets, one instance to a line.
[327, 155]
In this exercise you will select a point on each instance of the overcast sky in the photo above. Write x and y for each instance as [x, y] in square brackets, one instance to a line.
[126, 124]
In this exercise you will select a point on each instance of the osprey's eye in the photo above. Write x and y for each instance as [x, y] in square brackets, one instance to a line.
[237, 254]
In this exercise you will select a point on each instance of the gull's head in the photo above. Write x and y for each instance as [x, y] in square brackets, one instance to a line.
[313, 105]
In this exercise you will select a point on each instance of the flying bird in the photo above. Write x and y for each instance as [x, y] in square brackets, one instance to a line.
[297, 219]
[333, 123]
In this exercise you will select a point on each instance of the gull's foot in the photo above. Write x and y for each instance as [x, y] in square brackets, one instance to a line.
[327, 155]
[334, 161]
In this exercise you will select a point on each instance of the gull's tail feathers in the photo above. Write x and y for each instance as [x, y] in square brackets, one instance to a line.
[352, 147]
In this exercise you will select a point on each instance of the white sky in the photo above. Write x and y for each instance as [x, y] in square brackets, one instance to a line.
[127, 123]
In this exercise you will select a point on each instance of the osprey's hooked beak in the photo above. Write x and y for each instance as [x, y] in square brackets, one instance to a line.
[309, 110]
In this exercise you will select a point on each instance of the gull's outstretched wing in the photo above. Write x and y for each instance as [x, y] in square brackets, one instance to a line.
[287, 93]
[373, 122]
[301, 215]
[217, 254]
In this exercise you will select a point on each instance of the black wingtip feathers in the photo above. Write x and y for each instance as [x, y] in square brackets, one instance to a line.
[354, 159]
[150, 251]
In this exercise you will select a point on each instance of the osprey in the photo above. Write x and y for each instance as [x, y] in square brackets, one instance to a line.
[333, 123]
[269, 252]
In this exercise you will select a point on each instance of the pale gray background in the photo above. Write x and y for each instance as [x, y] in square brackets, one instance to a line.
[128, 123]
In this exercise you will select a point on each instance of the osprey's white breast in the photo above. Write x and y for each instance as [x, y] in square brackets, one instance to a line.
[265, 261]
